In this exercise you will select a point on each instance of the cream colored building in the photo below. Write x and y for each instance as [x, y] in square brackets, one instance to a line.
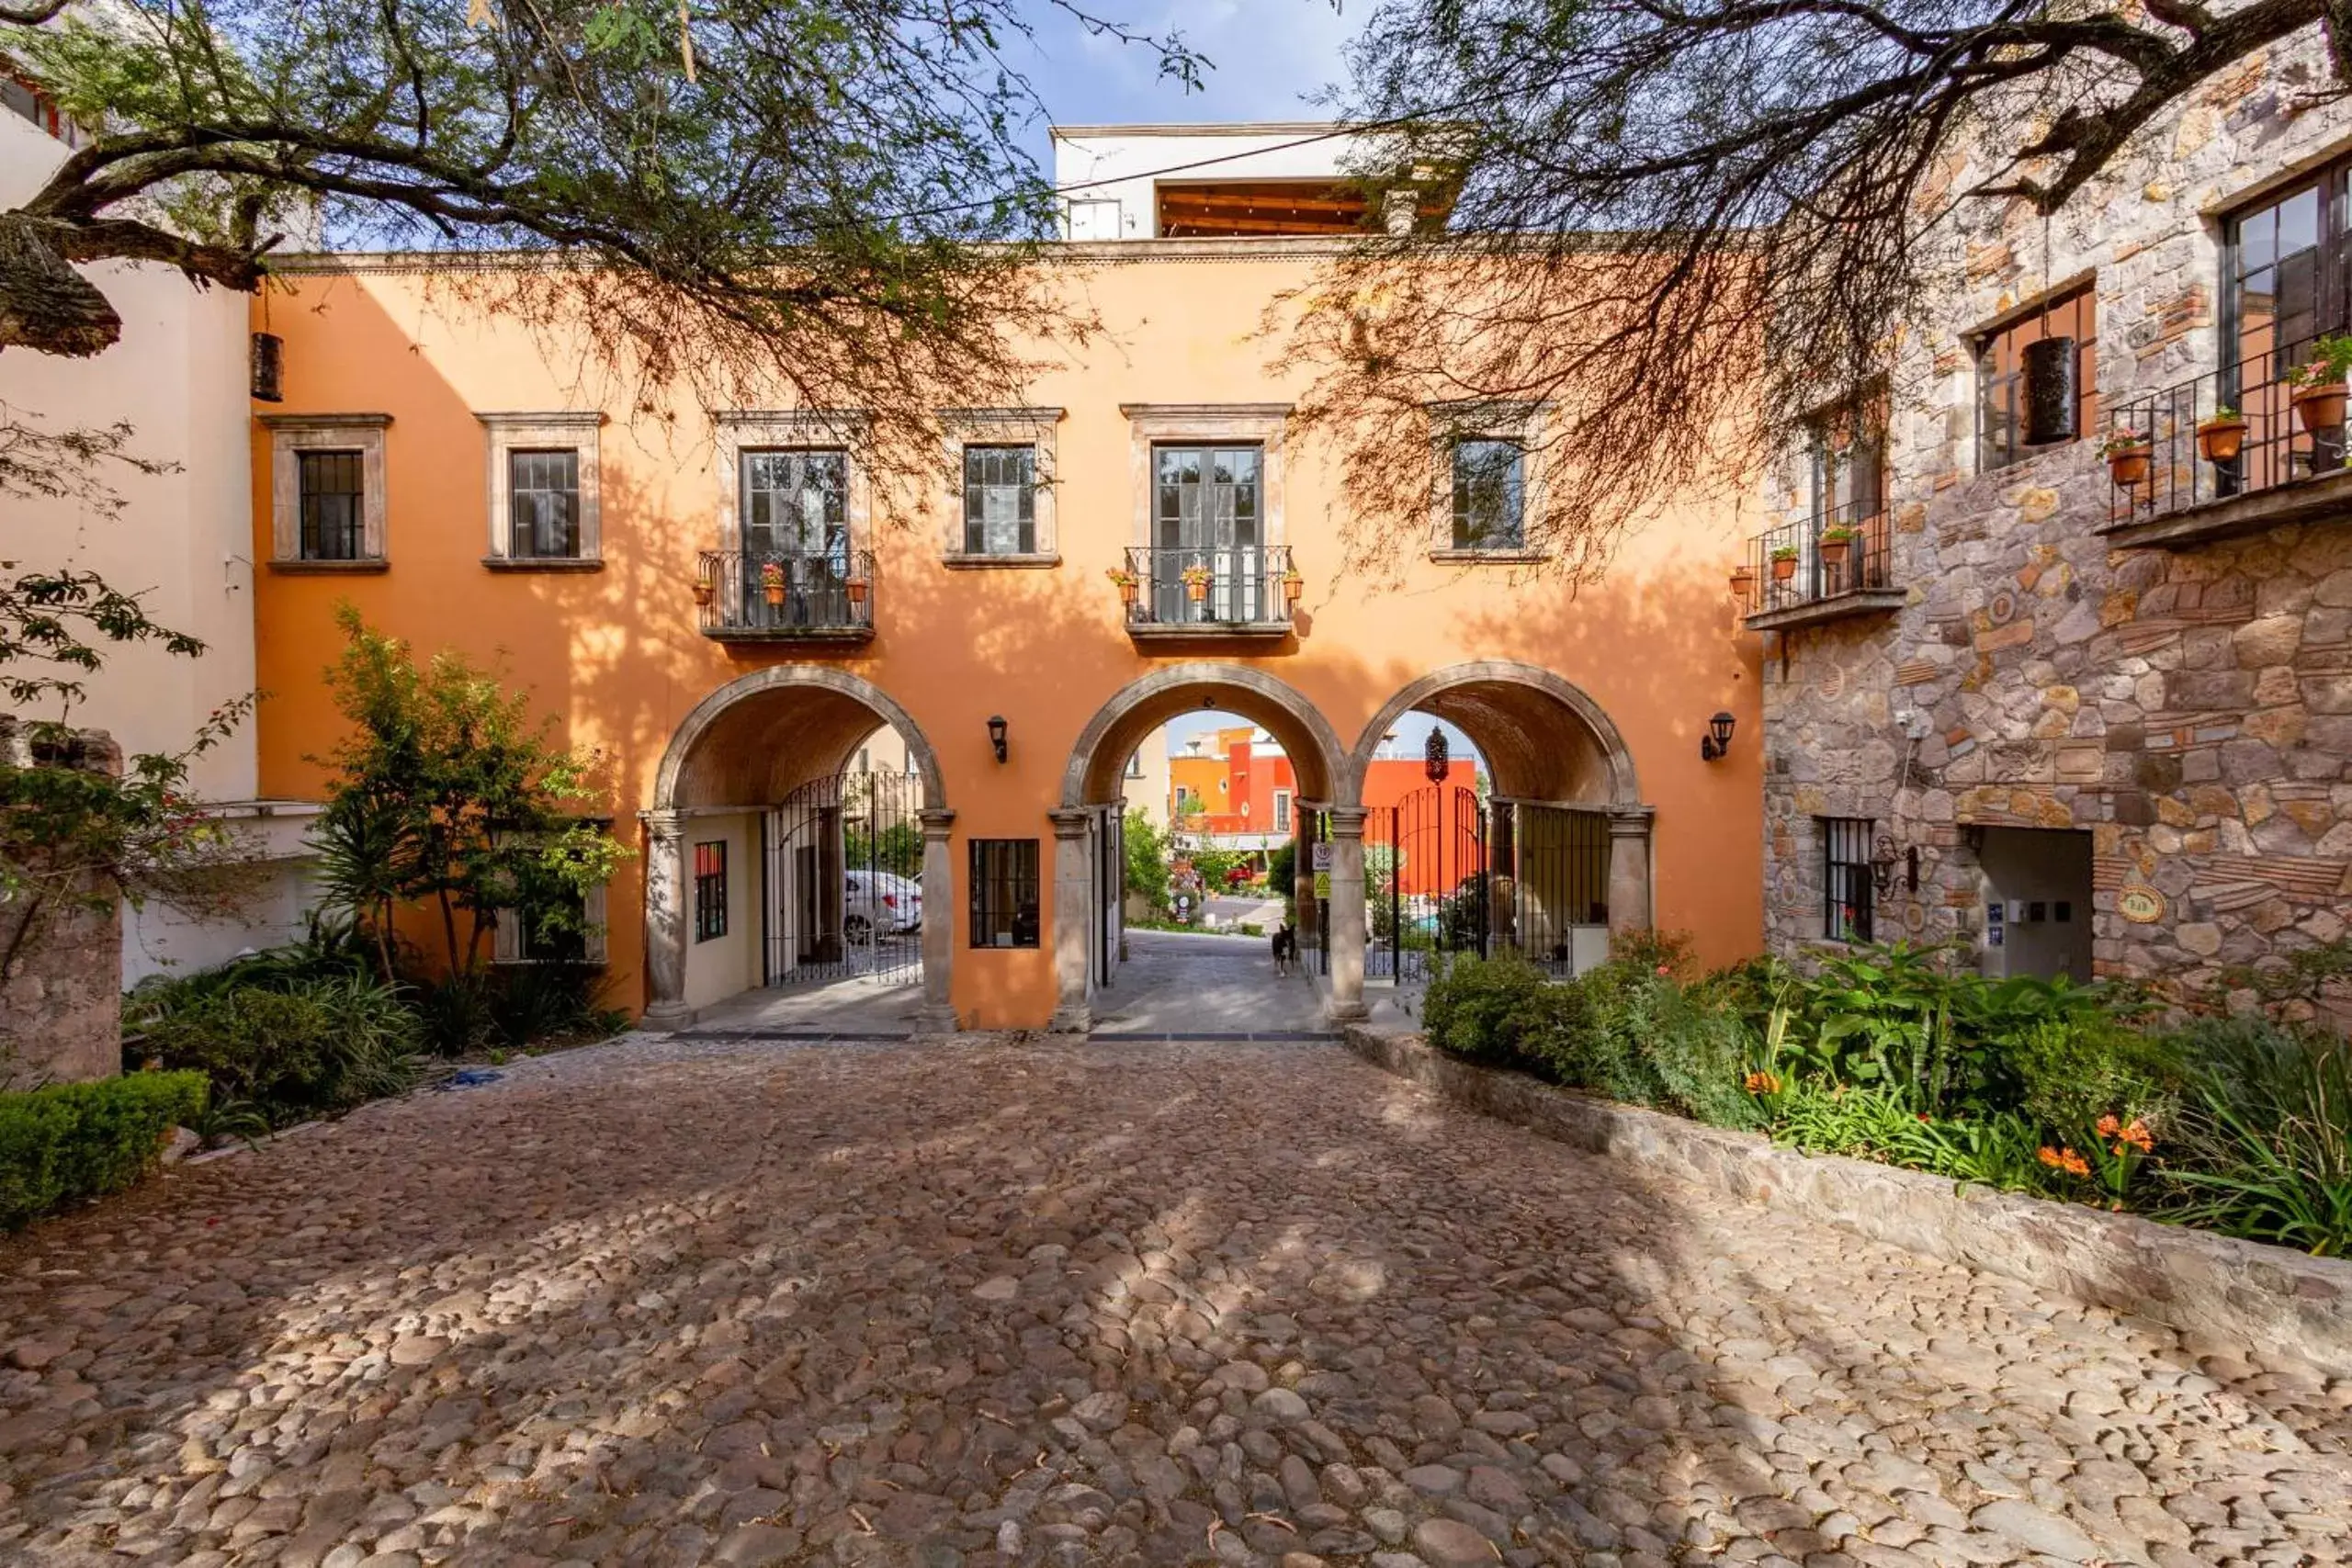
[182, 542]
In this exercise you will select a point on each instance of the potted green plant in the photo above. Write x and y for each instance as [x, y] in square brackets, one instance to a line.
[2221, 435]
[2318, 382]
[1124, 581]
[2126, 452]
[772, 581]
[1742, 582]
[1835, 544]
[1196, 583]
[1292, 586]
[1784, 563]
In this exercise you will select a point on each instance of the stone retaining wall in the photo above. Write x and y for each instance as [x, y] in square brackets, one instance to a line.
[2238, 1293]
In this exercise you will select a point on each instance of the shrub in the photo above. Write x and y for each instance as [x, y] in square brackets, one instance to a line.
[2072, 1070]
[291, 1051]
[533, 1004]
[2266, 1149]
[1490, 1009]
[67, 1142]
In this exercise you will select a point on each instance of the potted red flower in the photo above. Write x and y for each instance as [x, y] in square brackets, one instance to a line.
[2126, 452]
[772, 581]
[2319, 382]
[2221, 437]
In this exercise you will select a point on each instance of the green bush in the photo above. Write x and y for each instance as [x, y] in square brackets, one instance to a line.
[291, 1051]
[536, 1004]
[2265, 1150]
[2072, 1070]
[1490, 1009]
[67, 1142]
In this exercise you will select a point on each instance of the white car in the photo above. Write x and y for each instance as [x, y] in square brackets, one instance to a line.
[880, 901]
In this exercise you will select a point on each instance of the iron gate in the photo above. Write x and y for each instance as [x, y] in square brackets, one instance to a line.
[1447, 873]
[842, 890]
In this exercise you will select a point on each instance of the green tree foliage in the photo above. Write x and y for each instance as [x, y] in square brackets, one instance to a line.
[446, 794]
[898, 849]
[826, 196]
[1147, 850]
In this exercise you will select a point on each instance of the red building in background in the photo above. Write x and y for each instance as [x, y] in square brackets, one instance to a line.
[1240, 791]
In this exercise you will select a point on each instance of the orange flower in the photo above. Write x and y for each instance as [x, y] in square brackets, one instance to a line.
[1763, 1083]
[2048, 1157]
[2138, 1137]
[2109, 1126]
[2073, 1164]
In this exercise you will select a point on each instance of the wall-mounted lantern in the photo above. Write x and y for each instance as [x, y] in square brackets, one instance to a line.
[1884, 860]
[997, 727]
[1715, 744]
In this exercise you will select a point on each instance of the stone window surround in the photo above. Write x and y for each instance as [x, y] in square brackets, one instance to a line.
[1487, 419]
[738, 431]
[292, 434]
[998, 427]
[558, 431]
[1151, 424]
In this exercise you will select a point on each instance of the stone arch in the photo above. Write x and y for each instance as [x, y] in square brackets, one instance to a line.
[1512, 712]
[733, 710]
[747, 743]
[1134, 710]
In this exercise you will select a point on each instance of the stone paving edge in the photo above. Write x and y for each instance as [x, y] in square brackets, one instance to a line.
[2241, 1293]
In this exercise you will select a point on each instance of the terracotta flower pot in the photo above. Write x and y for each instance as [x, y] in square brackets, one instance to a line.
[2220, 440]
[856, 586]
[1196, 592]
[1783, 568]
[1832, 551]
[1743, 583]
[774, 592]
[1292, 588]
[2320, 407]
[705, 590]
[1127, 593]
[2129, 466]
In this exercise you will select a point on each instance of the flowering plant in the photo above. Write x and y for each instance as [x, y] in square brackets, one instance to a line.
[1121, 577]
[772, 574]
[1196, 576]
[2120, 440]
[2330, 363]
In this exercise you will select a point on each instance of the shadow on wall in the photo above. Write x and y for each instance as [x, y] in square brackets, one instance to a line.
[615, 655]
[892, 1299]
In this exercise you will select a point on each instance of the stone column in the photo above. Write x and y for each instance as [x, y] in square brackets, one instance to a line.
[1073, 918]
[940, 913]
[665, 921]
[1347, 913]
[1629, 868]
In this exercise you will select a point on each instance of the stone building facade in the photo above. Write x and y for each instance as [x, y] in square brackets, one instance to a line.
[2045, 706]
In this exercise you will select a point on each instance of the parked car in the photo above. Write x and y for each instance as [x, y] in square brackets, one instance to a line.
[880, 901]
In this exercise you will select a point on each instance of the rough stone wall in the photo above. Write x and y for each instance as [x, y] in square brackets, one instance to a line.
[2192, 710]
[60, 1009]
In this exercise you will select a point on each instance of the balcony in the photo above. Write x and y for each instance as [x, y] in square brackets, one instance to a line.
[2284, 469]
[785, 597]
[1801, 573]
[1221, 592]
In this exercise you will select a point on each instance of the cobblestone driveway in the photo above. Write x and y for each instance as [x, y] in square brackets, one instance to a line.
[655, 1304]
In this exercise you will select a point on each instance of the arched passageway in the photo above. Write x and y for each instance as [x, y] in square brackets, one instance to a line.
[1547, 859]
[810, 862]
[1089, 862]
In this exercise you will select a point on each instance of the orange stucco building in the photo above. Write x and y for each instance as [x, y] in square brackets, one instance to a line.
[432, 467]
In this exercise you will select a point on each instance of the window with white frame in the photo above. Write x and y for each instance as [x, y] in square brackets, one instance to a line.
[544, 510]
[1282, 811]
[1489, 494]
[326, 480]
[999, 500]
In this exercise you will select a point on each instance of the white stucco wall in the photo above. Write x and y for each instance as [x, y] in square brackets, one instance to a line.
[1116, 164]
[183, 540]
[724, 965]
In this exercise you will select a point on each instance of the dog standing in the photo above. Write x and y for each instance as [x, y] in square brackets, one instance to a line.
[1285, 948]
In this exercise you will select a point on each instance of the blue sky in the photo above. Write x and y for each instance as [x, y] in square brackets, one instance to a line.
[1270, 57]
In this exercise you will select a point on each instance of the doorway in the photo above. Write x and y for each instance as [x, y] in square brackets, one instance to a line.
[2037, 902]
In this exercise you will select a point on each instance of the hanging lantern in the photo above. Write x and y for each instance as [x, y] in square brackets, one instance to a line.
[2048, 391]
[268, 368]
[1437, 757]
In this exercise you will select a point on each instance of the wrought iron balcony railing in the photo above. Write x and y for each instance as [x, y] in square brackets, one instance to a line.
[782, 594]
[2271, 442]
[1819, 559]
[1210, 586]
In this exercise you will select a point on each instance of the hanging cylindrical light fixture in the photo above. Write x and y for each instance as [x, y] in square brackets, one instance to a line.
[1437, 757]
[2049, 395]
